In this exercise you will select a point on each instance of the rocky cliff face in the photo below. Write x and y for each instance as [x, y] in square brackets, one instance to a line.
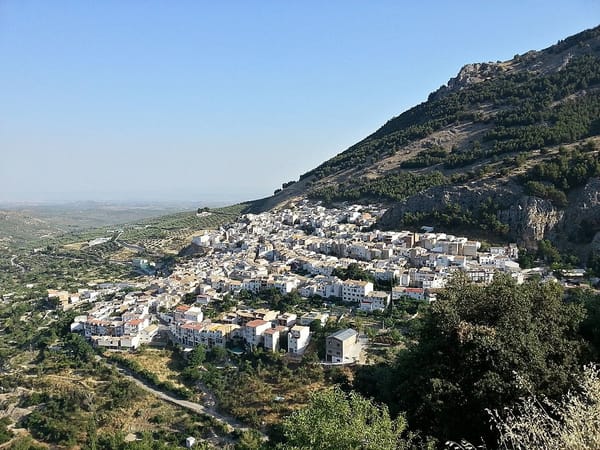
[581, 221]
[530, 219]
[468, 197]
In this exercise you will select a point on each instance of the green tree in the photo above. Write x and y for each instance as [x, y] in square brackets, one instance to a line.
[250, 440]
[590, 326]
[78, 348]
[218, 354]
[197, 356]
[335, 420]
[483, 347]
[353, 272]
[526, 259]
[548, 252]
[5, 434]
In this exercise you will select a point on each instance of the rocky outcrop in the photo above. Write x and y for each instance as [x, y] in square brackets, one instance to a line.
[530, 219]
[587, 201]
[467, 196]
[552, 59]
[467, 76]
[581, 222]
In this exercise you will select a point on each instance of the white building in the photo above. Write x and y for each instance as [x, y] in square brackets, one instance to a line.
[355, 291]
[287, 319]
[342, 346]
[285, 285]
[375, 301]
[254, 330]
[272, 338]
[188, 334]
[201, 241]
[116, 342]
[218, 334]
[412, 293]
[210, 335]
[298, 339]
[470, 248]
[193, 314]
[135, 326]
[99, 327]
[310, 317]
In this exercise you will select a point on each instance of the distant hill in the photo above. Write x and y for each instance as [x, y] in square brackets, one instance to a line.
[25, 223]
[505, 148]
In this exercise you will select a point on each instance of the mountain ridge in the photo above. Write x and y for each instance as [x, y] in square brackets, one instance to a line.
[493, 131]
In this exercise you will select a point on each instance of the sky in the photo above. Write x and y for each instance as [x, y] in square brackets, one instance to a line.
[197, 100]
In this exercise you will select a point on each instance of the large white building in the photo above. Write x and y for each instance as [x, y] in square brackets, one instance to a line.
[218, 334]
[412, 293]
[354, 291]
[102, 327]
[116, 343]
[209, 335]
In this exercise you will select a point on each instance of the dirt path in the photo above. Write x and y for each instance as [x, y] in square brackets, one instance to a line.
[192, 406]
[15, 264]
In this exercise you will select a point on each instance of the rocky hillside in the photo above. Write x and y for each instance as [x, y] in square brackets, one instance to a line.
[507, 148]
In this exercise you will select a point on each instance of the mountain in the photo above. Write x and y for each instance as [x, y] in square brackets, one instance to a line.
[508, 149]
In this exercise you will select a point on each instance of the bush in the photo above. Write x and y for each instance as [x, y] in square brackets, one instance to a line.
[572, 423]
[549, 192]
[5, 434]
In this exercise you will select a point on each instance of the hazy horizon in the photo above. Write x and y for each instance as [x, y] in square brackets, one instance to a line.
[222, 102]
[131, 203]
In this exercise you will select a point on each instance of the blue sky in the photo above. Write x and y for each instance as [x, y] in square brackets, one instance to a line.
[205, 100]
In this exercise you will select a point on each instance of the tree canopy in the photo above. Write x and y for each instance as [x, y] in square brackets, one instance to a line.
[484, 347]
[335, 420]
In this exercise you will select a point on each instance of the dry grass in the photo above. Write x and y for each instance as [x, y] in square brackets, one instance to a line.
[143, 412]
[259, 398]
[123, 254]
[139, 416]
[75, 245]
[173, 244]
[157, 361]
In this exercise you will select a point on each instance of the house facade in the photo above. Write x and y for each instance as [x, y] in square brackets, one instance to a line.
[354, 291]
[298, 339]
[342, 346]
[254, 330]
[375, 301]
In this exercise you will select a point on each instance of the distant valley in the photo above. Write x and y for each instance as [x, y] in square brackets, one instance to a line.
[22, 223]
